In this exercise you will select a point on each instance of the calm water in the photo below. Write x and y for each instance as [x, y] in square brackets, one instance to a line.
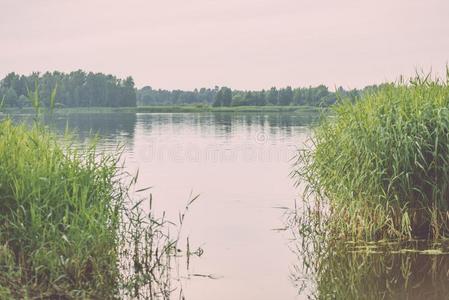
[240, 166]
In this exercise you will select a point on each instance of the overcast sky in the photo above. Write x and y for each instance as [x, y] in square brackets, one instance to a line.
[245, 44]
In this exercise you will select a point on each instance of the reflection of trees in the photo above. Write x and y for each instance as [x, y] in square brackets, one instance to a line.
[278, 123]
[285, 122]
[86, 125]
[223, 123]
[106, 125]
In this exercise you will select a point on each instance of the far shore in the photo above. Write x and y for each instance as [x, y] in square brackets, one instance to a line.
[171, 109]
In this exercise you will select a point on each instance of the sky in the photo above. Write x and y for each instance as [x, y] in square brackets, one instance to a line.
[243, 44]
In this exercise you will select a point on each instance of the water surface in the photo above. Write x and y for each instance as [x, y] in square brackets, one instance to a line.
[240, 165]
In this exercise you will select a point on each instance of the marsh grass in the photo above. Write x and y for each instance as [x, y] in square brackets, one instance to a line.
[69, 227]
[60, 212]
[379, 168]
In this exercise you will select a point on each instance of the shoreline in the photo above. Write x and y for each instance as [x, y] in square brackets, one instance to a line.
[170, 109]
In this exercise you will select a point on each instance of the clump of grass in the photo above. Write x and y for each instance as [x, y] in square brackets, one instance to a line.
[59, 216]
[68, 226]
[379, 168]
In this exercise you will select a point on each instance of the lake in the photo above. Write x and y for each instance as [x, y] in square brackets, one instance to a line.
[240, 166]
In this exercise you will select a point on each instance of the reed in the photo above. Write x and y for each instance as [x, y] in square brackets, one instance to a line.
[379, 168]
[68, 226]
[59, 215]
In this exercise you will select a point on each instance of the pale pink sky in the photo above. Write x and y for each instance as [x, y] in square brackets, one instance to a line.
[245, 44]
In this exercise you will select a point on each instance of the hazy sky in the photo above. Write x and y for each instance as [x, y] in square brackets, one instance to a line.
[245, 44]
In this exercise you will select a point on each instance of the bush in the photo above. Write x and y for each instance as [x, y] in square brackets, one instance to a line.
[380, 167]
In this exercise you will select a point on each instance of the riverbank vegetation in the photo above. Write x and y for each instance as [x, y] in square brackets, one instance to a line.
[378, 168]
[68, 227]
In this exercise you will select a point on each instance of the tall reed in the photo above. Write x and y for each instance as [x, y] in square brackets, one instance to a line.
[68, 226]
[59, 215]
[379, 168]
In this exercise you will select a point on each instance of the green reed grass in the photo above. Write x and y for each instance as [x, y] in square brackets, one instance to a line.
[379, 168]
[59, 216]
[68, 226]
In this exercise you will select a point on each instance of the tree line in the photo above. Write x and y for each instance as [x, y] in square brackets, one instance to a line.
[75, 89]
[224, 96]
[88, 89]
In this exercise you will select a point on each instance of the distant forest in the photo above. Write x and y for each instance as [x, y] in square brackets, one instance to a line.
[224, 96]
[75, 89]
[83, 89]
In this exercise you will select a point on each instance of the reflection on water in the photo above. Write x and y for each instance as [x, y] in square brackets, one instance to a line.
[373, 271]
[329, 267]
[112, 128]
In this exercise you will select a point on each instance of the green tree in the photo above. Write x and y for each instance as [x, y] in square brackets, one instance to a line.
[10, 97]
[218, 98]
[260, 98]
[226, 96]
[286, 96]
[74, 89]
[130, 98]
[249, 98]
[273, 96]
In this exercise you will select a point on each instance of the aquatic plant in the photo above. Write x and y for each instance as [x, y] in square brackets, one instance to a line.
[68, 226]
[379, 167]
[59, 215]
